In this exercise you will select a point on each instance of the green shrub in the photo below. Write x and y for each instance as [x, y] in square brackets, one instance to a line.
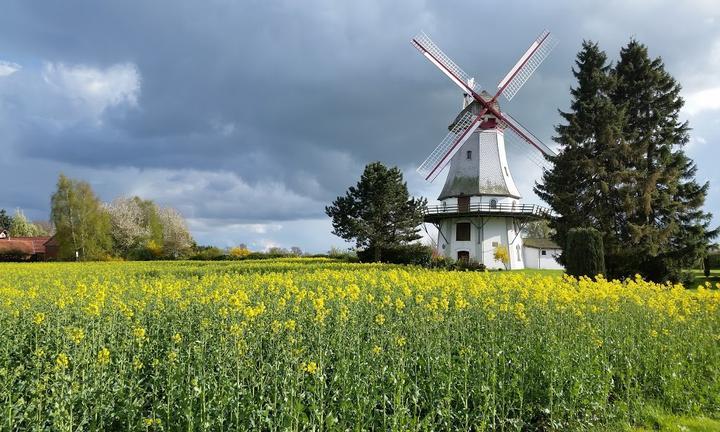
[469, 265]
[208, 253]
[413, 253]
[13, 255]
[713, 260]
[584, 253]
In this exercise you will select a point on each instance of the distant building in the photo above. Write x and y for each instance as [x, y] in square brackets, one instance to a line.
[27, 248]
[541, 254]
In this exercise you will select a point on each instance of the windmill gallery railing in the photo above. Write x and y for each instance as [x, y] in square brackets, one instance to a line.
[432, 213]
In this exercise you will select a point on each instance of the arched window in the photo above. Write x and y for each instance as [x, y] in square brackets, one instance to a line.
[517, 248]
[493, 203]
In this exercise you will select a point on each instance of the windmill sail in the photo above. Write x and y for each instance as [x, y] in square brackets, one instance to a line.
[428, 48]
[447, 148]
[519, 132]
[526, 66]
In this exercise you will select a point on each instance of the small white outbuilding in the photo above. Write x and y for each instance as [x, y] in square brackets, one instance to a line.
[541, 254]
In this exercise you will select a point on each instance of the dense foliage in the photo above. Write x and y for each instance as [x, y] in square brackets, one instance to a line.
[413, 253]
[622, 168]
[378, 213]
[584, 250]
[128, 228]
[5, 220]
[315, 344]
[82, 226]
[20, 226]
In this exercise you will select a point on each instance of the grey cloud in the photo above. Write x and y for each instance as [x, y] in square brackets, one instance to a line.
[299, 95]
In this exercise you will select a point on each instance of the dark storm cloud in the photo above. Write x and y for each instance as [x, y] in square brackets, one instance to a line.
[283, 97]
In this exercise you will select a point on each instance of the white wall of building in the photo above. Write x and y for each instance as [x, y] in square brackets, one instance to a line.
[535, 259]
[485, 234]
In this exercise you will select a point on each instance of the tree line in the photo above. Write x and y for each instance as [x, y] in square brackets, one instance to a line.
[87, 229]
[19, 225]
[130, 228]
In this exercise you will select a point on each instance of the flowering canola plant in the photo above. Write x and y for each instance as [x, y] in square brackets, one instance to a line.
[316, 344]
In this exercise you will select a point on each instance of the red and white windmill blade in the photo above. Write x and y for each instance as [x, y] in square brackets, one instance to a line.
[508, 87]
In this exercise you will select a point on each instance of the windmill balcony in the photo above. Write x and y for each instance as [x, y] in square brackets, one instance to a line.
[532, 211]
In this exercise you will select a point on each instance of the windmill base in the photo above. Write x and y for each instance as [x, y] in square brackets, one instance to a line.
[476, 238]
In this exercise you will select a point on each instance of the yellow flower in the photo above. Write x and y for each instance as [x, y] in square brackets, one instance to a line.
[310, 367]
[137, 364]
[39, 318]
[376, 350]
[172, 356]
[276, 326]
[39, 353]
[344, 313]
[290, 325]
[152, 422]
[61, 361]
[379, 319]
[76, 335]
[177, 338]
[103, 356]
[139, 333]
[400, 341]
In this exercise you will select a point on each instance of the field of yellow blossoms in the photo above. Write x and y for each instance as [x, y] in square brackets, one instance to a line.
[321, 345]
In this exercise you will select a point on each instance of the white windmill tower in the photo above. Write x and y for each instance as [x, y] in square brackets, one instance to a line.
[480, 205]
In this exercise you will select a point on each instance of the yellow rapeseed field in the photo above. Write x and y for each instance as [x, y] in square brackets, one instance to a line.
[322, 345]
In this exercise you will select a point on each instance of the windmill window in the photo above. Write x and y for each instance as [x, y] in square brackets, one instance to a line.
[517, 248]
[469, 154]
[543, 252]
[462, 231]
[493, 203]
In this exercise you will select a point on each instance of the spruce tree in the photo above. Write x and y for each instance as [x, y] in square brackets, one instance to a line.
[580, 186]
[378, 212]
[621, 168]
[5, 220]
[665, 223]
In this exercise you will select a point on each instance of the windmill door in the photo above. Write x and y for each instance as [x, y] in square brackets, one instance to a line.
[464, 204]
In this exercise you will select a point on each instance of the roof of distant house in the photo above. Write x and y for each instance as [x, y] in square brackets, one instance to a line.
[25, 245]
[540, 243]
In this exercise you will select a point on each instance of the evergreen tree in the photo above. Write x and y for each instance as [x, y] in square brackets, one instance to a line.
[81, 223]
[585, 252]
[5, 220]
[665, 221]
[580, 186]
[378, 212]
[621, 167]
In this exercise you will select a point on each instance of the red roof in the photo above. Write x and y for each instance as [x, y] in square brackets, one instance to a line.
[27, 245]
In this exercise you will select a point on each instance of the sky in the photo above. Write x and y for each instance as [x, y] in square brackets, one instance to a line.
[251, 116]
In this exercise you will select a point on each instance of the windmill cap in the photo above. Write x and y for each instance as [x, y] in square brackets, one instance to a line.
[475, 107]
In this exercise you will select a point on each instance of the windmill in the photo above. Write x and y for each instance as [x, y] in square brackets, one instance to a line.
[480, 206]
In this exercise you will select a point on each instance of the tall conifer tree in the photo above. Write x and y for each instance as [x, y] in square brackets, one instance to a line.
[621, 167]
[579, 187]
[665, 221]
